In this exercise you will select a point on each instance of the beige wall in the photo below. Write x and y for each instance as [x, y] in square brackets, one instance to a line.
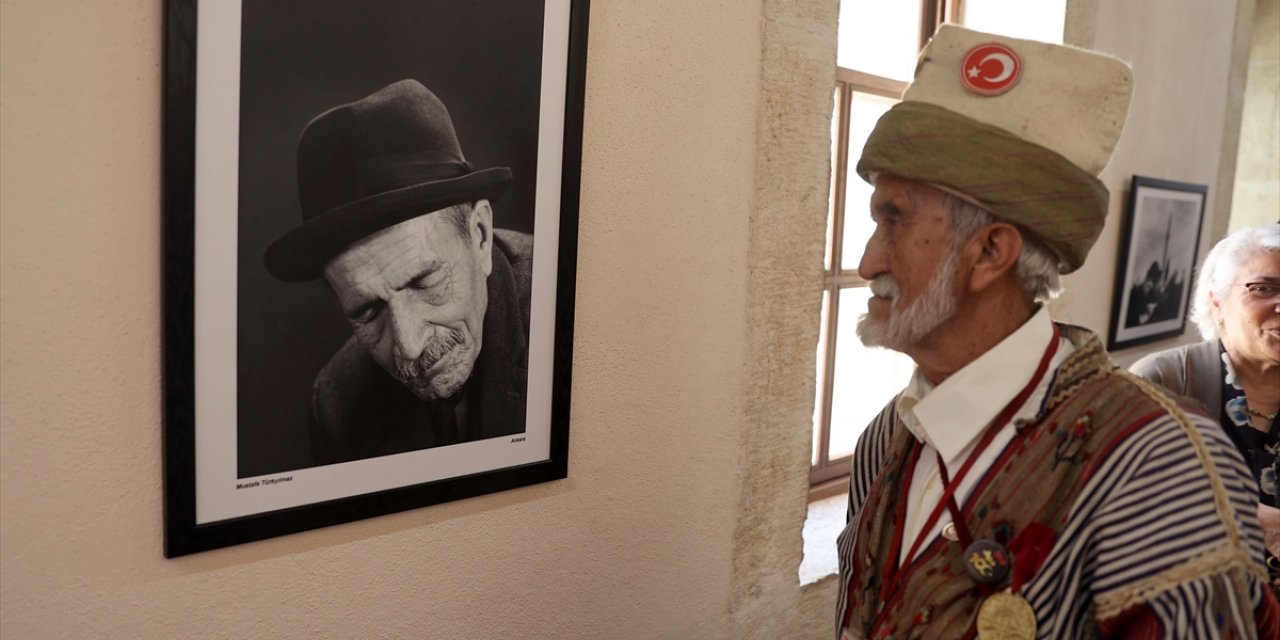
[704, 187]
[639, 542]
[1257, 183]
[1189, 62]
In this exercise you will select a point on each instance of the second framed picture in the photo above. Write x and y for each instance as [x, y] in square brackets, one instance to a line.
[370, 242]
[1155, 270]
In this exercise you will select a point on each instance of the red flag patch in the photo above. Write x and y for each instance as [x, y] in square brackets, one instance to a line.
[990, 69]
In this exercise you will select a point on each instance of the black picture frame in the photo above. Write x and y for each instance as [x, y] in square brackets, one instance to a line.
[226, 483]
[1157, 260]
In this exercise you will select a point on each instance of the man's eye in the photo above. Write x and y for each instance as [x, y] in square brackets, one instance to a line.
[890, 220]
[424, 281]
[366, 314]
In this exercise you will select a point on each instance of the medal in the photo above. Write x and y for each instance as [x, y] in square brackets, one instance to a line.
[986, 562]
[1006, 616]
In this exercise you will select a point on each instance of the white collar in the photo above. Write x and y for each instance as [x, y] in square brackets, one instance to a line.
[951, 415]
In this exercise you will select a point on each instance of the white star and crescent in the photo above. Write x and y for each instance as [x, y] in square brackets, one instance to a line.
[1006, 68]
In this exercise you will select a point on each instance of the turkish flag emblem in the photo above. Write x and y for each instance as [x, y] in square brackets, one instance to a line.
[990, 69]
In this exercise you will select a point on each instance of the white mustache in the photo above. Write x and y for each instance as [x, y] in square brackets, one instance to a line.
[884, 286]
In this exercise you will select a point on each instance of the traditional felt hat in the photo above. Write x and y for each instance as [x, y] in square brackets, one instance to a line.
[370, 164]
[1018, 127]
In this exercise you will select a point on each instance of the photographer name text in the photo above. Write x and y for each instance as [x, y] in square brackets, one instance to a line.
[265, 481]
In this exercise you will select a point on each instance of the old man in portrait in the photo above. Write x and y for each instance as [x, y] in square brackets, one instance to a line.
[400, 227]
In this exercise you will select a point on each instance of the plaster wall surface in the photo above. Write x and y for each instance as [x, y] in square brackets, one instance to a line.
[1188, 70]
[637, 543]
[699, 274]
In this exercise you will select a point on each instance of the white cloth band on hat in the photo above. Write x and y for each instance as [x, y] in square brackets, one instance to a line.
[1066, 99]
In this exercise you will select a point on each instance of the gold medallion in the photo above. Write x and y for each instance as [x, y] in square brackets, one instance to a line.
[1006, 616]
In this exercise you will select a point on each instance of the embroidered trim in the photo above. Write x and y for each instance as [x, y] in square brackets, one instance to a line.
[1231, 556]
[1222, 561]
[1088, 363]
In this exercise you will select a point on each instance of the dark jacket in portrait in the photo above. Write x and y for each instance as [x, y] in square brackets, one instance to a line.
[359, 411]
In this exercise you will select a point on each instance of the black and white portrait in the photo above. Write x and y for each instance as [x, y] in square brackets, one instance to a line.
[1156, 274]
[386, 219]
[384, 215]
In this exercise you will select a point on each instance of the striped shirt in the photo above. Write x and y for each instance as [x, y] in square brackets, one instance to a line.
[1161, 539]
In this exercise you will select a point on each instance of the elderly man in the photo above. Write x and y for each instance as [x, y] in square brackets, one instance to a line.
[1022, 486]
[400, 226]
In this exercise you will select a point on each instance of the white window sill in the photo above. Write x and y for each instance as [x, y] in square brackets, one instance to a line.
[823, 524]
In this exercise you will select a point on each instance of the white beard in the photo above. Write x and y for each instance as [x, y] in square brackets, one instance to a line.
[905, 328]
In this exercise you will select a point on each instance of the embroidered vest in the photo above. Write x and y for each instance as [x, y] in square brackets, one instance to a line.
[1022, 502]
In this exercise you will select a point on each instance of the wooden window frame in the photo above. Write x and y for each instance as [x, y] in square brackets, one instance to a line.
[830, 476]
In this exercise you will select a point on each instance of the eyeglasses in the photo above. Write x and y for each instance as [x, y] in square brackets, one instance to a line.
[1263, 292]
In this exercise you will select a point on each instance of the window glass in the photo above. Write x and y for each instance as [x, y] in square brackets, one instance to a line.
[822, 366]
[1039, 20]
[865, 110]
[865, 379]
[835, 175]
[879, 37]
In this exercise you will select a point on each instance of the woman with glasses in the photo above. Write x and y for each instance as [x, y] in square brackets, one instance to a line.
[1235, 372]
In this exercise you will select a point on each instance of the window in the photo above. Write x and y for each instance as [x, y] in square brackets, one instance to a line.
[876, 58]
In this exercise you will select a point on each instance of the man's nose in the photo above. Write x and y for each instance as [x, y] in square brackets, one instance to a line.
[409, 328]
[872, 263]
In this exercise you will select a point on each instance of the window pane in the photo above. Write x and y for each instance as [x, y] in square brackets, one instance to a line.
[1040, 20]
[865, 110]
[879, 37]
[835, 174]
[865, 379]
[822, 375]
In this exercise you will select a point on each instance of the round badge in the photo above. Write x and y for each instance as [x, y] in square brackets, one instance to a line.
[990, 69]
[986, 561]
[1005, 616]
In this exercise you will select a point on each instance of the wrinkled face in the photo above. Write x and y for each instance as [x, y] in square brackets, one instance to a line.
[1250, 313]
[910, 263]
[415, 296]
[906, 327]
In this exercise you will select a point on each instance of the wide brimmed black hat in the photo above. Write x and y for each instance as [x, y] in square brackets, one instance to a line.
[370, 164]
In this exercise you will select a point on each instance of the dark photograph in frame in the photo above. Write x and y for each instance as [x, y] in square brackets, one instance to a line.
[1156, 267]
[370, 240]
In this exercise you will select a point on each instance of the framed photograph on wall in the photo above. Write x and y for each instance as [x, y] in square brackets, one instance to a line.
[1154, 274]
[370, 237]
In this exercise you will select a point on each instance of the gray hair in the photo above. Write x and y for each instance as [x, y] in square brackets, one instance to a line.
[1037, 266]
[460, 217]
[1221, 267]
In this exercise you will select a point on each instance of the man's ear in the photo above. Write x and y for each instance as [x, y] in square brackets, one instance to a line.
[998, 247]
[481, 227]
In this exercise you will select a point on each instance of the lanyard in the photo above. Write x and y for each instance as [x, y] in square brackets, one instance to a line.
[957, 519]
[893, 577]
